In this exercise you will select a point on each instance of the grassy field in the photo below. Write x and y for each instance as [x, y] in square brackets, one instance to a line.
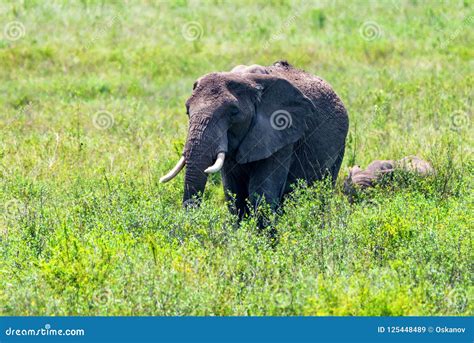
[92, 114]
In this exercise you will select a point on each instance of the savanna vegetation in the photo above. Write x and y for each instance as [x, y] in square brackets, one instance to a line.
[92, 114]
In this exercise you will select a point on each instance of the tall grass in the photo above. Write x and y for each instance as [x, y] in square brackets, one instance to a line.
[92, 114]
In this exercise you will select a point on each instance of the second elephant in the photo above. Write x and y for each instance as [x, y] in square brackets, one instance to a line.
[376, 171]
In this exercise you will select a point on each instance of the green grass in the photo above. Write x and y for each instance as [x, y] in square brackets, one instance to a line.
[87, 229]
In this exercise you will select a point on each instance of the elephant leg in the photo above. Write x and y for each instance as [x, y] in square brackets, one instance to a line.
[337, 165]
[268, 178]
[235, 179]
[267, 182]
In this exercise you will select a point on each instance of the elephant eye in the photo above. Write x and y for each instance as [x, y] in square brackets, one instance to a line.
[234, 111]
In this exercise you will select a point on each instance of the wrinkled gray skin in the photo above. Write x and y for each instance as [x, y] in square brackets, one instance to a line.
[365, 178]
[416, 165]
[231, 112]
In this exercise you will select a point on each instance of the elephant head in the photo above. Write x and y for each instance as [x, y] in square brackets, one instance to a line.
[238, 116]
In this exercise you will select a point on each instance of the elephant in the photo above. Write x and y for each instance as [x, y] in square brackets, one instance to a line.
[253, 69]
[416, 165]
[263, 128]
[361, 179]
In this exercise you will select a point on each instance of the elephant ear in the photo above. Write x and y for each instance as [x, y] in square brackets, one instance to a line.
[280, 118]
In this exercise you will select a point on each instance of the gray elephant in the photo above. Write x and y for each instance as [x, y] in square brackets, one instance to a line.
[263, 128]
[360, 179]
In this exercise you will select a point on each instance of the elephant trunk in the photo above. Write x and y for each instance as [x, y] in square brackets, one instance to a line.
[195, 178]
[205, 141]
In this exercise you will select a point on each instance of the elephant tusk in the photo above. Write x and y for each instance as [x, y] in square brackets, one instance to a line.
[173, 172]
[217, 165]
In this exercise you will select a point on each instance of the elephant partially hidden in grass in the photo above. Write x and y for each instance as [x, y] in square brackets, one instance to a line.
[263, 128]
[360, 179]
